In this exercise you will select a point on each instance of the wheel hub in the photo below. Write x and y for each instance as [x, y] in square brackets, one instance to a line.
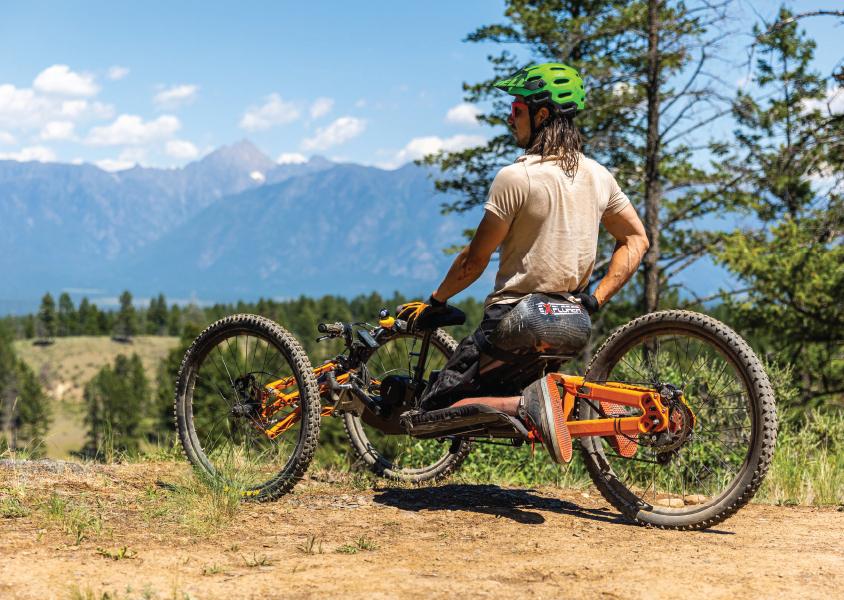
[681, 422]
[248, 401]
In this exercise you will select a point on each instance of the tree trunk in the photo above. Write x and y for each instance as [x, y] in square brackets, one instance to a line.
[653, 185]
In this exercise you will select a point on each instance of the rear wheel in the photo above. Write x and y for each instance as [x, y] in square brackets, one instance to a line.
[399, 456]
[236, 429]
[722, 413]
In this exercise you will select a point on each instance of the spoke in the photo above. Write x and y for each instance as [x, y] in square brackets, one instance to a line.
[223, 358]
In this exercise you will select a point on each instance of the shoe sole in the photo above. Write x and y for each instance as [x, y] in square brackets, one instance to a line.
[561, 442]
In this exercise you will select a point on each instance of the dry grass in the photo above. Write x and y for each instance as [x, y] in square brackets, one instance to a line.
[69, 364]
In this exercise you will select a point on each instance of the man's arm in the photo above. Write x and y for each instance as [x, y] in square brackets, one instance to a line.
[474, 258]
[631, 245]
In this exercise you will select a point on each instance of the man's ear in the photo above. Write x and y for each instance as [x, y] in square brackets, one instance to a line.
[542, 114]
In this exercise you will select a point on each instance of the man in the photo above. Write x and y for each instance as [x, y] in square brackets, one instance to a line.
[543, 211]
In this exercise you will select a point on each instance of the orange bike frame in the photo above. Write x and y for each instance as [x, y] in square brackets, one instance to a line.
[612, 398]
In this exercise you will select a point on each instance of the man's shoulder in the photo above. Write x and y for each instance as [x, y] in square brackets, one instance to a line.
[510, 175]
[592, 165]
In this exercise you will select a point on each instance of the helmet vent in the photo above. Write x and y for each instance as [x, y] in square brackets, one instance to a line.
[561, 81]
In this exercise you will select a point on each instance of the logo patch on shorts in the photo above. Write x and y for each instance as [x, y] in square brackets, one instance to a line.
[550, 308]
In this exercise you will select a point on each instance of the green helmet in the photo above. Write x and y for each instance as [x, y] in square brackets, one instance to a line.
[549, 82]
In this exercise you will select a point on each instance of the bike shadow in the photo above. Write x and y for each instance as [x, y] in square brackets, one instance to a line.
[516, 504]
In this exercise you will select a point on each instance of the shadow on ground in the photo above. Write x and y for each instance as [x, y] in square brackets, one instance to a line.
[518, 505]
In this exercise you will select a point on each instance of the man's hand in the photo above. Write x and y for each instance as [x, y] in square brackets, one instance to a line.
[588, 301]
[413, 311]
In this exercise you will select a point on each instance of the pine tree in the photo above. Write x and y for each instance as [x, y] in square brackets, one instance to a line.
[32, 412]
[47, 317]
[24, 407]
[86, 318]
[67, 318]
[117, 403]
[789, 177]
[126, 322]
[157, 316]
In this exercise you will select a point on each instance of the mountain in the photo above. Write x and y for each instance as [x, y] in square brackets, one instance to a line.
[233, 224]
[346, 230]
[62, 222]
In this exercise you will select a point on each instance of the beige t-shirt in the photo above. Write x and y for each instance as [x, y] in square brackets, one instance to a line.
[554, 220]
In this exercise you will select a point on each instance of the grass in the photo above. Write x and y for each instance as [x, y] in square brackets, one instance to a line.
[79, 593]
[808, 465]
[117, 554]
[203, 508]
[70, 362]
[214, 569]
[12, 503]
[312, 545]
[72, 516]
[256, 561]
[362, 543]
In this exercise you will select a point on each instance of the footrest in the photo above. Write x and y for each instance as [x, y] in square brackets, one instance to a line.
[465, 419]
[626, 446]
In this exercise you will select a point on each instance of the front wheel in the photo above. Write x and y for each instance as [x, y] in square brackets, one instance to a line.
[723, 422]
[398, 456]
[247, 407]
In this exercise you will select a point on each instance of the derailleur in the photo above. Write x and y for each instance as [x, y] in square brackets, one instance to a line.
[248, 401]
[681, 422]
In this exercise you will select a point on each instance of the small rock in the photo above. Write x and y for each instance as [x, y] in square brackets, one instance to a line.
[670, 502]
[43, 465]
[692, 499]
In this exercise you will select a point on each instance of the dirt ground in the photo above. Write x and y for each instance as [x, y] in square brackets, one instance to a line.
[335, 538]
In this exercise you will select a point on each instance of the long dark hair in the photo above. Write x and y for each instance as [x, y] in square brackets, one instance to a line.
[559, 138]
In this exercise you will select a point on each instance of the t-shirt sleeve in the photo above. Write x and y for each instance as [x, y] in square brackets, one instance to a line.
[508, 192]
[618, 200]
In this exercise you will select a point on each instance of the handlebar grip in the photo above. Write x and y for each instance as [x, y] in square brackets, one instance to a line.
[330, 328]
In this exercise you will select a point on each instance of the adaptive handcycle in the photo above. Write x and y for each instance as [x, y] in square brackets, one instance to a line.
[674, 415]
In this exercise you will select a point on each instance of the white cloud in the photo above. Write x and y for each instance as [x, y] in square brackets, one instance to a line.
[422, 146]
[132, 130]
[338, 132]
[274, 111]
[181, 149]
[39, 153]
[463, 114]
[59, 79]
[7, 138]
[23, 108]
[291, 158]
[832, 103]
[112, 165]
[176, 95]
[321, 107]
[57, 130]
[257, 177]
[117, 72]
[127, 159]
[79, 109]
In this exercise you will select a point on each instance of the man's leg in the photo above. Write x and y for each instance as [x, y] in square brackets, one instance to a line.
[459, 377]
[509, 405]
[541, 409]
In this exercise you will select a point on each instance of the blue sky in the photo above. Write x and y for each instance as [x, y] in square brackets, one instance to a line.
[163, 83]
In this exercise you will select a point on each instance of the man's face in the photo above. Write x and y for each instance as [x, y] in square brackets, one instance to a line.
[519, 120]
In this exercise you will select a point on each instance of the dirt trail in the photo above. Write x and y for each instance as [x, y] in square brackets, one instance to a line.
[478, 541]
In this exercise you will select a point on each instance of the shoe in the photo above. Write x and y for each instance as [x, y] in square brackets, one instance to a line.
[542, 409]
